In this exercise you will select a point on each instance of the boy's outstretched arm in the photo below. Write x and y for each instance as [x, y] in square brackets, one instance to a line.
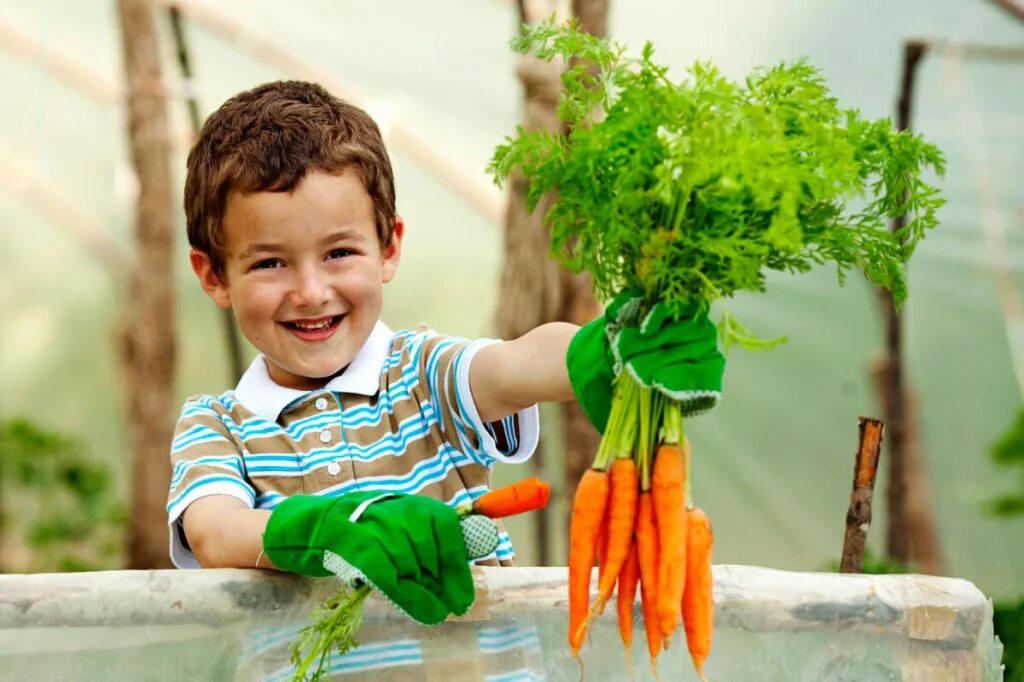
[510, 376]
[224, 533]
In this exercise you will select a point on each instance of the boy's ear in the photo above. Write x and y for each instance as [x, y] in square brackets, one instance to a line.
[392, 253]
[209, 280]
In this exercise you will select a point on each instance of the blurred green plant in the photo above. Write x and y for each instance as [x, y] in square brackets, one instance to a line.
[874, 564]
[1009, 626]
[56, 511]
[1008, 451]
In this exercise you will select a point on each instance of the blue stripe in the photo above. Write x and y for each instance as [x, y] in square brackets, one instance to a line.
[206, 480]
[229, 462]
[523, 675]
[394, 654]
[507, 631]
[528, 641]
[477, 454]
[292, 464]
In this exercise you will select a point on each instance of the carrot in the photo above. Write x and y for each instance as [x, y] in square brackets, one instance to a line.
[698, 602]
[668, 494]
[523, 496]
[621, 519]
[588, 511]
[647, 558]
[629, 578]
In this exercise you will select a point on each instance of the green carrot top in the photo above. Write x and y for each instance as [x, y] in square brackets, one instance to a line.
[691, 191]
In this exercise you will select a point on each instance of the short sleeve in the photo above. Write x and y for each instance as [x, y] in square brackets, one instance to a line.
[443, 366]
[205, 460]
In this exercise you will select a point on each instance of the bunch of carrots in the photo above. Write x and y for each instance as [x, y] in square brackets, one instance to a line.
[634, 514]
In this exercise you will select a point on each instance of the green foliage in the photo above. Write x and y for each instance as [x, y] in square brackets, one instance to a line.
[336, 623]
[1009, 626]
[56, 500]
[1008, 451]
[691, 191]
[873, 564]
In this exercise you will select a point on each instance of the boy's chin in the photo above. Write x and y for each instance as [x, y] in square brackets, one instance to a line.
[305, 377]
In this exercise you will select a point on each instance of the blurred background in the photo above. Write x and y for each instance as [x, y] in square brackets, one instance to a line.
[773, 465]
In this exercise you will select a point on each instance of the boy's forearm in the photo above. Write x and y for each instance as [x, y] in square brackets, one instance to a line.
[235, 541]
[514, 375]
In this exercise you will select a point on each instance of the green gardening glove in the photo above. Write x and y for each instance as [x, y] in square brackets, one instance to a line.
[409, 547]
[677, 356]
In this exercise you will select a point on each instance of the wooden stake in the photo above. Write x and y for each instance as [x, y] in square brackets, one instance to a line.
[148, 332]
[858, 517]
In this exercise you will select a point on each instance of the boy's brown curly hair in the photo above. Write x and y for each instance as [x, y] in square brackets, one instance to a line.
[267, 139]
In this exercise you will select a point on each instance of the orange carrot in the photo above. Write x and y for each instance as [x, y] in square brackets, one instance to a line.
[602, 545]
[698, 603]
[523, 496]
[629, 577]
[588, 511]
[647, 558]
[668, 484]
[621, 519]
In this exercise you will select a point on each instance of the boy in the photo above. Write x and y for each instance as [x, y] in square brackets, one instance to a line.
[290, 208]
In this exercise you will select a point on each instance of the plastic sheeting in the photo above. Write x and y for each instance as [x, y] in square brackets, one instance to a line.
[229, 624]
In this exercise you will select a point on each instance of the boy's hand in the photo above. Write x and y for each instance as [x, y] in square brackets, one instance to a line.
[678, 357]
[408, 547]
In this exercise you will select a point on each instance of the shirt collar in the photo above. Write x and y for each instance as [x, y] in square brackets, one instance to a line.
[258, 392]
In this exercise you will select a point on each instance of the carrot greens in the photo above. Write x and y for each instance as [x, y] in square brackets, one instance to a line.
[691, 191]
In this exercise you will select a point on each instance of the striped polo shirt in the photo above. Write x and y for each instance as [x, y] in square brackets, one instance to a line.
[399, 418]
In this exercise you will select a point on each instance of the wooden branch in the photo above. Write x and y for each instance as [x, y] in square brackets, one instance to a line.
[23, 184]
[474, 188]
[59, 65]
[1015, 9]
[858, 516]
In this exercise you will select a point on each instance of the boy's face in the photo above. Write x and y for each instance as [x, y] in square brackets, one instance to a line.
[303, 273]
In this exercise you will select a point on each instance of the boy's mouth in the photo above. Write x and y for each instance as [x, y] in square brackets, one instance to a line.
[316, 329]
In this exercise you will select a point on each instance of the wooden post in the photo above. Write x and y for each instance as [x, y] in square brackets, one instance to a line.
[148, 333]
[231, 337]
[910, 536]
[858, 516]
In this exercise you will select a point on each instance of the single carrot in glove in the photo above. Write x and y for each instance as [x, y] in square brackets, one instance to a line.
[698, 603]
[668, 491]
[522, 496]
[588, 511]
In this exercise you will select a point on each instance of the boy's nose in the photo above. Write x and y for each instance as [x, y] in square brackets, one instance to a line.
[310, 289]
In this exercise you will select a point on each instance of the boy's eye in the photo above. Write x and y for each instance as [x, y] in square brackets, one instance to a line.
[339, 253]
[267, 264]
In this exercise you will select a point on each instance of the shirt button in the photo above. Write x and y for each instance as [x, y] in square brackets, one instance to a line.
[333, 468]
[325, 436]
[321, 403]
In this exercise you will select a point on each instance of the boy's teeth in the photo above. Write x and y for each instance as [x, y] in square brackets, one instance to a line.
[313, 325]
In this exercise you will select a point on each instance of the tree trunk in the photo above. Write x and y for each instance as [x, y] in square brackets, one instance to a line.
[147, 333]
[534, 290]
[910, 537]
[530, 289]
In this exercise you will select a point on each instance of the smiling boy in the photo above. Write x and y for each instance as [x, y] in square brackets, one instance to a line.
[291, 217]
